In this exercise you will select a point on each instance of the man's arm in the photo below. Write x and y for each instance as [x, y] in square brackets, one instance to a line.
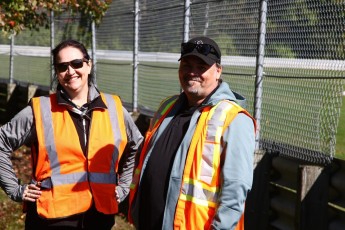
[236, 172]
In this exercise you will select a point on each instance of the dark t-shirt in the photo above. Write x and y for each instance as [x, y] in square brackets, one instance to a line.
[155, 180]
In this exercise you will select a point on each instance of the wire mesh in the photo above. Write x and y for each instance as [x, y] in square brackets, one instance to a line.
[304, 63]
[301, 92]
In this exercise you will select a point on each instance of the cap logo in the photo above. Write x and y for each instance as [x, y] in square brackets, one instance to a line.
[199, 42]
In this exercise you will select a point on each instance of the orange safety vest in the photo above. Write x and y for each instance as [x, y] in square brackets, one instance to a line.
[76, 180]
[201, 180]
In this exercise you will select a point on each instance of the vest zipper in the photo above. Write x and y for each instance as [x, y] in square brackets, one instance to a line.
[84, 130]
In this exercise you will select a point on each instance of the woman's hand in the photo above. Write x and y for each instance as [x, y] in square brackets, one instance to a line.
[117, 196]
[31, 193]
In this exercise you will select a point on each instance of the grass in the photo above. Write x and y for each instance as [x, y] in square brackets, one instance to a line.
[340, 145]
[11, 216]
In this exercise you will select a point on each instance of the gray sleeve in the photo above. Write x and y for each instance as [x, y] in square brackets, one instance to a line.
[14, 134]
[236, 172]
[126, 165]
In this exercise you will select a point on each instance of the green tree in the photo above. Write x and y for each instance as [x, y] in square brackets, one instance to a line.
[33, 14]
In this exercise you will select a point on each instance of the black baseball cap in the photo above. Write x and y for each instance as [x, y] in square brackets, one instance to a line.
[202, 47]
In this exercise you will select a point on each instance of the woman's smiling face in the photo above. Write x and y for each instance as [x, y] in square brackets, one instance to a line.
[73, 80]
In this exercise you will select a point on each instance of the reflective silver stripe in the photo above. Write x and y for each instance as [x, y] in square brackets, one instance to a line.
[49, 139]
[62, 179]
[212, 142]
[115, 127]
[71, 178]
[217, 120]
[103, 178]
[206, 171]
[195, 192]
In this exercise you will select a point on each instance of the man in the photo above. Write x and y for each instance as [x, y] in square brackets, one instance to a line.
[196, 164]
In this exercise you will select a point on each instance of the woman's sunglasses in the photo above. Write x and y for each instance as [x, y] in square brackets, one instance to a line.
[75, 64]
[204, 49]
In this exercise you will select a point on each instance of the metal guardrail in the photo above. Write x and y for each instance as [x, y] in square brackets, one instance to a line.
[118, 55]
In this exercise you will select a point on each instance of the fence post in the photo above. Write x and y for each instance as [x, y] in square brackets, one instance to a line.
[11, 58]
[94, 56]
[11, 85]
[186, 24]
[186, 20]
[312, 196]
[206, 19]
[135, 56]
[259, 69]
[52, 44]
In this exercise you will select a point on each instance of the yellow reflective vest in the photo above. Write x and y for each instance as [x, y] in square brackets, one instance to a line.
[201, 181]
[70, 180]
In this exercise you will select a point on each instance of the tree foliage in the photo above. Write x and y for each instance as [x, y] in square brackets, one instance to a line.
[33, 14]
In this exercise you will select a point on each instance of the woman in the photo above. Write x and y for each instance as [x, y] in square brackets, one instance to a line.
[83, 148]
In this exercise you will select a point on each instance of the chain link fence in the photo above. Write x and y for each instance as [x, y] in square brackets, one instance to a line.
[286, 57]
